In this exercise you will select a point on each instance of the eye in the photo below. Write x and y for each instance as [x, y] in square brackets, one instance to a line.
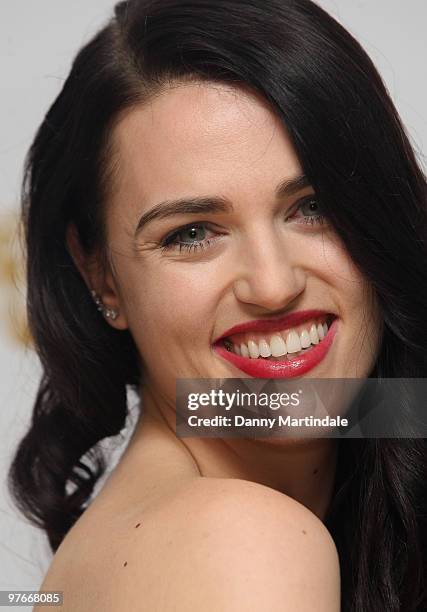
[193, 232]
[311, 211]
[190, 238]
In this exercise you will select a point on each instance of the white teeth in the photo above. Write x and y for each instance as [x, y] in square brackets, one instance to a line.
[314, 336]
[264, 348]
[305, 339]
[253, 349]
[278, 346]
[244, 350]
[293, 343]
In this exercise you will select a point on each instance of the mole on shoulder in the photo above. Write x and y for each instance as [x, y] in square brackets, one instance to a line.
[137, 525]
[315, 471]
[304, 531]
[125, 563]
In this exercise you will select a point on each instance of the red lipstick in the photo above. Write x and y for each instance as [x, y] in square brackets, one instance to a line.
[264, 368]
[271, 325]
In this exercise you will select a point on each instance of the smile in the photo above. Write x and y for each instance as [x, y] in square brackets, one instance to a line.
[283, 353]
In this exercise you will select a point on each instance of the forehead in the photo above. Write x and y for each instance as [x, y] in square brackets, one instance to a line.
[199, 137]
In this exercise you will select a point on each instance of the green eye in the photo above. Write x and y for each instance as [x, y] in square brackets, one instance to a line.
[195, 232]
[192, 237]
[310, 208]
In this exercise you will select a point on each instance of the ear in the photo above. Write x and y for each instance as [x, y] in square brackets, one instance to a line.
[96, 277]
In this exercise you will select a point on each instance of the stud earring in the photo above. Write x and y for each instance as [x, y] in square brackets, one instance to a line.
[109, 313]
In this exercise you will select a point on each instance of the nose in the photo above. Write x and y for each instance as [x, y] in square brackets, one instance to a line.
[267, 274]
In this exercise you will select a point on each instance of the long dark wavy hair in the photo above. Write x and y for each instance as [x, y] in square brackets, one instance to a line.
[357, 156]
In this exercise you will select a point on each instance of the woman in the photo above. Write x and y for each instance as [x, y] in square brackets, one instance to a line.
[207, 165]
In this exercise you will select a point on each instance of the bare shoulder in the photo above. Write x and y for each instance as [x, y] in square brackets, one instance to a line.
[231, 545]
[213, 544]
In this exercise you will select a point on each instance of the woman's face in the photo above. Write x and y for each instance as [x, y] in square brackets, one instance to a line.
[255, 257]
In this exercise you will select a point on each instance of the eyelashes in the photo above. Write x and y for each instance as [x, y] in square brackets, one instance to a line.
[173, 241]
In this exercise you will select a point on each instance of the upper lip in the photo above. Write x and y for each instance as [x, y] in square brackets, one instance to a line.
[291, 320]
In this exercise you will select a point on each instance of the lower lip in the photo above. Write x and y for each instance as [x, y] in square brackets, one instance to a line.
[264, 368]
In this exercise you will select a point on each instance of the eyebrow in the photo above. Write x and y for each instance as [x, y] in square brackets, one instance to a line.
[212, 204]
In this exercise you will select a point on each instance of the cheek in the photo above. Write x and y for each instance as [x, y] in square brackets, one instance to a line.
[359, 308]
[342, 274]
[354, 295]
[170, 307]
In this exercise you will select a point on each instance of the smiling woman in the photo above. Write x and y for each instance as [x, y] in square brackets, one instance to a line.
[233, 200]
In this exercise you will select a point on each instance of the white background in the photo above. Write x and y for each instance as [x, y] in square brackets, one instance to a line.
[37, 43]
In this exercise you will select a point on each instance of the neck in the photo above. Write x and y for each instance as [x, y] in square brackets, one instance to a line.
[303, 469]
